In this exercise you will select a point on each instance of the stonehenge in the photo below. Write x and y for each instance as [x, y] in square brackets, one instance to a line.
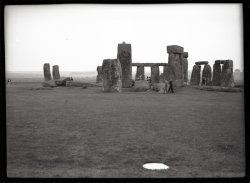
[155, 74]
[201, 63]
[46, 72]
[175, 59]
[216, 74]
[227, 78]
[140, 73]
[185, 66]
[207, 73]
[111, 75]
[99, 74]
[124, 57]
[223, 76]
[196, 76]
[55, 72]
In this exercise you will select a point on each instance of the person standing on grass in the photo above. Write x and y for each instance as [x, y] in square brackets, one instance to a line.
[170, 86]
[150, 82]
[165, 86]
[9, 82]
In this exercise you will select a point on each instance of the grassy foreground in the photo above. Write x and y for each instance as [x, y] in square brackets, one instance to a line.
[74, 132]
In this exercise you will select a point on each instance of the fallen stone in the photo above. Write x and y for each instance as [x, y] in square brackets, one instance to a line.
[62, 81]
[50, 83]
[141, 86]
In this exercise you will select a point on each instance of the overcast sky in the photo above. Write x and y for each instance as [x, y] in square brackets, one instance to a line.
[78, 37]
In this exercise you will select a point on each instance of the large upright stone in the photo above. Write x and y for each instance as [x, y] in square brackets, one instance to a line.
[111, 75]
[185, 66]
[124, 56]
[196, 75]
[140, 73]
[46, 72]
[216, 74]
[168, 73]
[207, 73]
[175, 61]
[55, 72]
[99, 74]
[227, 78]
[155, 74]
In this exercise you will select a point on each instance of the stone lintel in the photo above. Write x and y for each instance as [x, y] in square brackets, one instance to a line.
[149, 64]
[175, 49]
[201, 63]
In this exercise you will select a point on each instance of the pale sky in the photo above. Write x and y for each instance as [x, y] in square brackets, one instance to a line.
[78, 37]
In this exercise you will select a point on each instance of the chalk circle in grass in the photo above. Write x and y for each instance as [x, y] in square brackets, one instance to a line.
[155, 166]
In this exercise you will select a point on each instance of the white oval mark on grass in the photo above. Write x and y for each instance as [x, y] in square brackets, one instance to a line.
[155, 166]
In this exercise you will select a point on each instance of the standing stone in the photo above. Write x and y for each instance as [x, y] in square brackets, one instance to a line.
[55, 72]
[99, 74]
[227, 78]
[216, 74]
[140, 73]
[46, 72]
[168, 73]
[124, 56]
[207, 73]
[111, 75]
[196, 75]
[155, 74]
[175, 61]
[185, 66]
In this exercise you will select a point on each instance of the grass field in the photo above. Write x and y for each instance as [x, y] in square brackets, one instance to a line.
[75, 132]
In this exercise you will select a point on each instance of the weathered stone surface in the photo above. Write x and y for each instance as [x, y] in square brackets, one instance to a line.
[82, 84]
[176, 63]
[195, 76]
[155, 74]
[216, 74]
[149, 64]
[140, 73]
[185, 69]
[124, 56]
[227, 78]
[185, 54]
[219, 61]
[55, 72]
[50, 83]
[99, 74]
[168, 73]
[175, 49]
[207, 73]
[201, 63]
[159, 87]
[62, 81]
[46, 72]
[111, 75]
[141, 86]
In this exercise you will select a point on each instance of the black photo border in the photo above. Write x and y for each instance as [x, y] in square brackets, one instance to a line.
[3, 145]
